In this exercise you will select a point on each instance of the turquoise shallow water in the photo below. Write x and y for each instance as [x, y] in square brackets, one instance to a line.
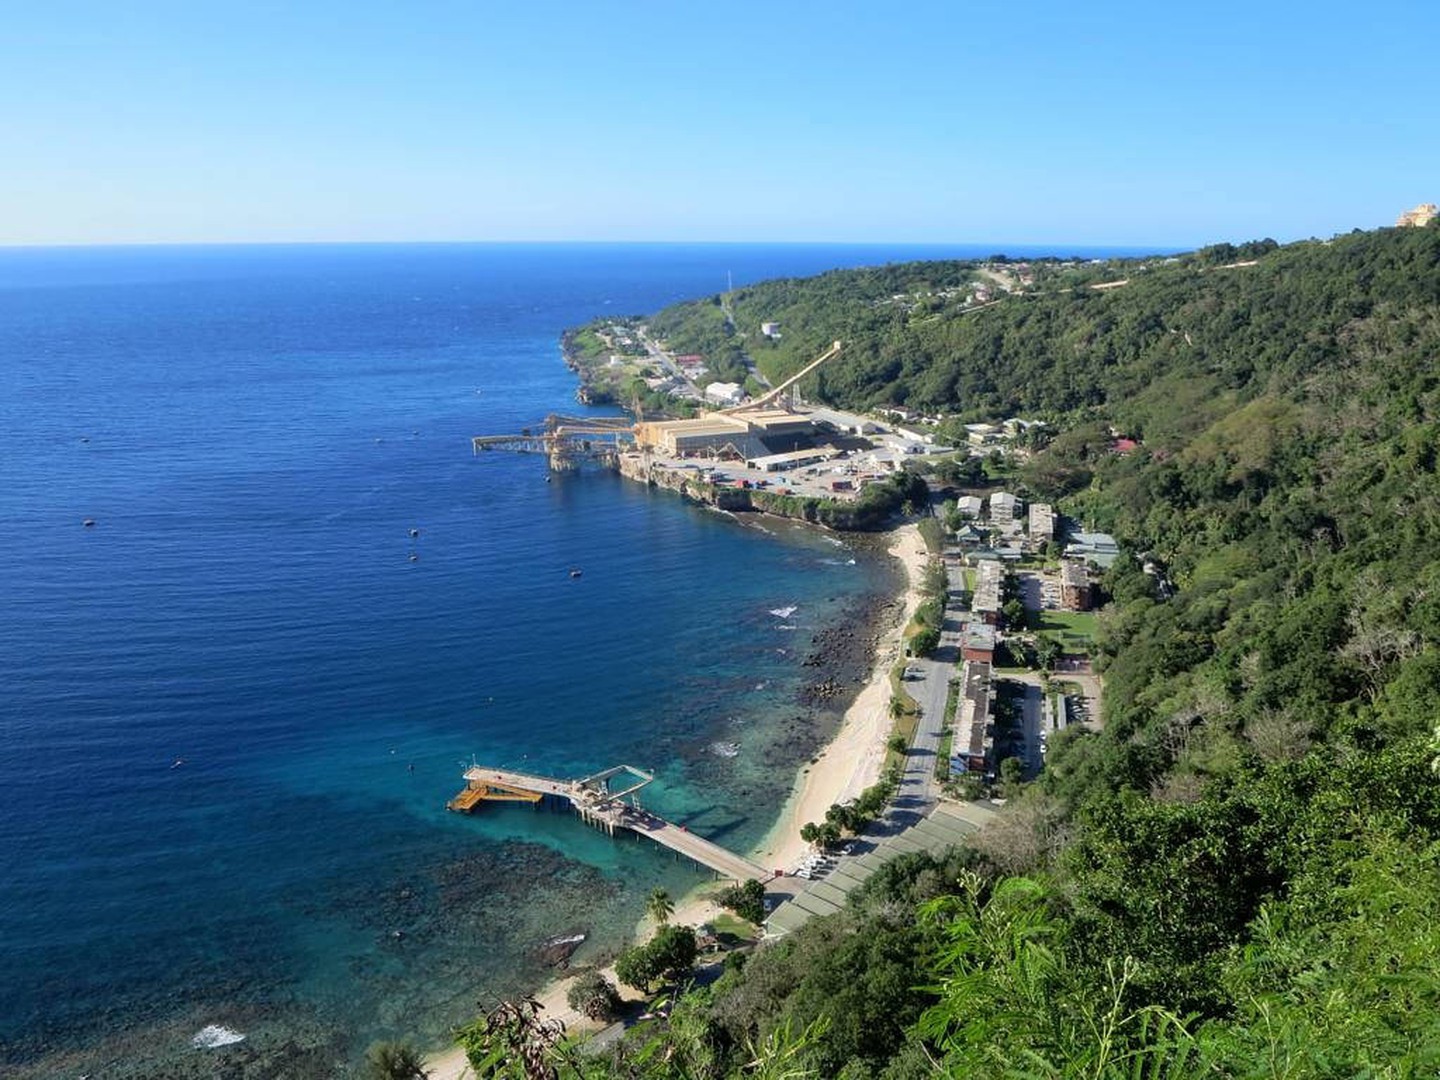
[254, 432]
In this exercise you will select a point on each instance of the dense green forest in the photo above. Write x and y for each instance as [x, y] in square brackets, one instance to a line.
[1240, 875]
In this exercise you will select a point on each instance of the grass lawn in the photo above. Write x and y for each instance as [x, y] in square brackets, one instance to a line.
[1075, 628]
[731, 930]
[904, 726]
[942, 755]
[909, 719]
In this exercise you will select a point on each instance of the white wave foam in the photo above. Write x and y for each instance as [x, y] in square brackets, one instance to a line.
[214, 1035]
[725, 749]
[784, 612]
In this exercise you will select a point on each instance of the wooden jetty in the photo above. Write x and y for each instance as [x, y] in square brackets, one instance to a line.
[595, 802]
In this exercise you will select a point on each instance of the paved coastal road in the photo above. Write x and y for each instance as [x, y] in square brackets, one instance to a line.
[919, 789]
[666, 363]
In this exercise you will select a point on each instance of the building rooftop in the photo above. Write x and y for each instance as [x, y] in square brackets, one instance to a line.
[768, 418]
[1096, 540]
[1042, 520]
[987, 587]
[1099, 548]
[978, 635]
[947, 826]
[713, 424]
[792, 457]
[973, 715]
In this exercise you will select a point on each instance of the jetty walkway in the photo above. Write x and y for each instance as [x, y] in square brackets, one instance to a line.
[595, 802]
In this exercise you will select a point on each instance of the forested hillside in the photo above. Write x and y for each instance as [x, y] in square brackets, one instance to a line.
[1240, 876]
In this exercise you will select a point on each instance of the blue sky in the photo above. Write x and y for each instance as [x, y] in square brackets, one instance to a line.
[1104, 123]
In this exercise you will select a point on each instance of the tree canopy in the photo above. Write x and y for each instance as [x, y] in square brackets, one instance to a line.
[1240, 874]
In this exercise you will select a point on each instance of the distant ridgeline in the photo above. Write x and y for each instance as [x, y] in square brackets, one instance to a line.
[1241, 874]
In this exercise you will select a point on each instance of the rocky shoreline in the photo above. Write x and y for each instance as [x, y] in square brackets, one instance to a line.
[841, 655]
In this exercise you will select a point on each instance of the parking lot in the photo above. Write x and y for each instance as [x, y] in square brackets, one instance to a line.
[819, 863]
[1039, 590]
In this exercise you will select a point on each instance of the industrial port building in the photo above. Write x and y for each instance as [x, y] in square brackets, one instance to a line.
[743, 434]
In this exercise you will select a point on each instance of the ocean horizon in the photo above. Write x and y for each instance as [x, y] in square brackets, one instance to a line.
[889, 250]
[238, 699]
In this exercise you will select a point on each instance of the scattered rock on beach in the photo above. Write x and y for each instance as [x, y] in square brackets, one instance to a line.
[557, 951]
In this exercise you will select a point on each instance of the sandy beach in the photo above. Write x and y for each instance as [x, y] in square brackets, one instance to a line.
[853, 759]
[850, 763]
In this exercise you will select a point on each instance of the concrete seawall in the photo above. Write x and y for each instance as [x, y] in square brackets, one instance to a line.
[637, 467]
[847, 515]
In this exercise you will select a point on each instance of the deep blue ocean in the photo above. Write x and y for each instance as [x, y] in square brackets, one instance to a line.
[234, 707]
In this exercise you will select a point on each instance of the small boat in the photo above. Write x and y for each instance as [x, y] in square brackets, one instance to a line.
[414, 557]
[89, 523]
[574, 573]
[414, 532]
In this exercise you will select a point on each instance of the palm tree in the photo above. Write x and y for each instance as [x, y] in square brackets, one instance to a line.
[660, 907]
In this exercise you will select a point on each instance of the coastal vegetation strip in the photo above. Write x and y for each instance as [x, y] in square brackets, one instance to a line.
[1168, 896]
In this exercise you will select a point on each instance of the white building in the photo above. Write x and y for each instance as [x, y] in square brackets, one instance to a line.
[1004, 507]
[982, 434]
[724, 393]
[989, 579]
[969, 505]
[794, 459]
[1042, 521]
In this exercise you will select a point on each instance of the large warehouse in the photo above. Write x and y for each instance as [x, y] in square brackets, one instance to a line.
[742, 435]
